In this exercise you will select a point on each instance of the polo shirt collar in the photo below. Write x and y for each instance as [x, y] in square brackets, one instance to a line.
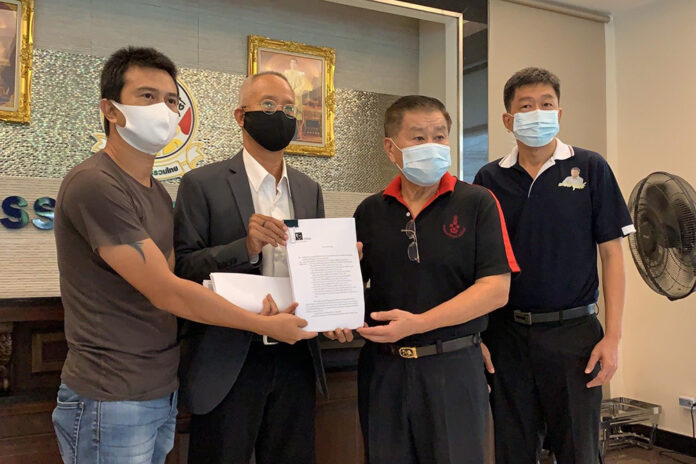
[447, 183]
[562, 152]
[257, 173]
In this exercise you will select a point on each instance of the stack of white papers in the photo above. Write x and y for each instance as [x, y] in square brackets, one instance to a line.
[249, 290]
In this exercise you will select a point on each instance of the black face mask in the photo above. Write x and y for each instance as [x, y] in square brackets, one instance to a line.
[272, 131]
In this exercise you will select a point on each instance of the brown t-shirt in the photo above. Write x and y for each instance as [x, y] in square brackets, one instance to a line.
[120, 346]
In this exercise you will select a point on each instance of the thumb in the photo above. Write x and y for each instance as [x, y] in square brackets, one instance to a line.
[385, 315]
[300, 322]
[290, 309]
[265, 307]
[487, 361]
[489, 365]
[594, 357]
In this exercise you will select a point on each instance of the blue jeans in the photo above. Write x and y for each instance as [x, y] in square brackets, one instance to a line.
[114, 432]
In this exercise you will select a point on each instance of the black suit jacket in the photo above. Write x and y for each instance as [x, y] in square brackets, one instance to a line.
[211, 217]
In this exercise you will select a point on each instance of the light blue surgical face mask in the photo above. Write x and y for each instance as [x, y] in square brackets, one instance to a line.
[425, 164]
[536, 128]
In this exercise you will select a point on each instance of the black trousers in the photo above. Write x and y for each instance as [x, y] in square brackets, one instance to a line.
[430, 410]
[269, 410]
[539, 392]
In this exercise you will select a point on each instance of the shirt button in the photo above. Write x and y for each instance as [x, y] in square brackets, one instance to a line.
[408, 214]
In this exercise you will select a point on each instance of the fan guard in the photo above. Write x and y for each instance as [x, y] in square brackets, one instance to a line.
[663, 208]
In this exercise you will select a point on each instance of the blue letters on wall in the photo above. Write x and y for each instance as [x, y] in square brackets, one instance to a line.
[17, 217]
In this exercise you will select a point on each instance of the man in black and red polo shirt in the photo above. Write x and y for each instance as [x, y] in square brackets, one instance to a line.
[551, 356]
[438, 260]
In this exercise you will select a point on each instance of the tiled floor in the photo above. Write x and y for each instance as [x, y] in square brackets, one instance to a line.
[635, 455]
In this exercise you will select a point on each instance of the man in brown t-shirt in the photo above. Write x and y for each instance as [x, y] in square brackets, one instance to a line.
[113, 227]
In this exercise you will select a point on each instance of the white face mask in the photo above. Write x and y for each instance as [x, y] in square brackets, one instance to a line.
[425, 164]
[536, 128]
[148, 128]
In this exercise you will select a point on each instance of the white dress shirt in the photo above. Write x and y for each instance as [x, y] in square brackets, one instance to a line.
[270, 200]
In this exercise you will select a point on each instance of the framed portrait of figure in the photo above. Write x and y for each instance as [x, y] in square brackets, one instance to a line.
[16, 48]
[310, 71]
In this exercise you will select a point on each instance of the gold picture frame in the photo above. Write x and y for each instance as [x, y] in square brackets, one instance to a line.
[310, 71]
[16, 50]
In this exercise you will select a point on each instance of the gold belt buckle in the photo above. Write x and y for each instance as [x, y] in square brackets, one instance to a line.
[408, 352]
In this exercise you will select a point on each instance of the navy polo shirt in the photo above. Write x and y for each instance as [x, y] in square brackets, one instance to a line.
[461, 237]
[555, 223]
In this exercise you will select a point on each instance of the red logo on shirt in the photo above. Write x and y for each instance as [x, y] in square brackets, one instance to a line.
[454, 229]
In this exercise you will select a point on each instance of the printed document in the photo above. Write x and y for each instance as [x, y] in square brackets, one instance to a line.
[325, 273]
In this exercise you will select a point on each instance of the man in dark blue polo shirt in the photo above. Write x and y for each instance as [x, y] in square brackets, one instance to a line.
[437, 257]
[561, 203]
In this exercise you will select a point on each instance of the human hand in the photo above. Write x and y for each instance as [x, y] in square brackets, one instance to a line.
[342, 335]
[265, 230]
[269, 307]
[401, 324]
[606, 352]
[286, 327]
[487, 362]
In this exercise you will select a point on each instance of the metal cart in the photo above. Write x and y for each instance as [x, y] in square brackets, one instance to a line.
[617, 413]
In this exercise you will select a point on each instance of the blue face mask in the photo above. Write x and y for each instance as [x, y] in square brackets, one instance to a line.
[536, 128]
[425, 164]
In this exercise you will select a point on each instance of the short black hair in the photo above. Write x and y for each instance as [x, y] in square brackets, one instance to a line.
[121, 61]
[530, 76]
[395, 113]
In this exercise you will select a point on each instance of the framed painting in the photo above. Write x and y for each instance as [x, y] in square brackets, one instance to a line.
[16, 48]
[310, 71]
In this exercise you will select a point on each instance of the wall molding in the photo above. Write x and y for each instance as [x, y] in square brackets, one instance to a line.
[582, 13]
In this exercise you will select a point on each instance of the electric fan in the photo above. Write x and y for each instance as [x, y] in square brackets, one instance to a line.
[663, 208]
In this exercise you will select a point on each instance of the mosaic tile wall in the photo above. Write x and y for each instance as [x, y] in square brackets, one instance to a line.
[65, 113]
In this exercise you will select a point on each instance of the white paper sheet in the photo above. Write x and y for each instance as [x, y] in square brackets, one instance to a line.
[249, 290]
[325, 273]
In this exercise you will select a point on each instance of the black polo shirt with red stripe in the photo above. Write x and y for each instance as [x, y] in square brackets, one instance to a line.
[555, 223]
[461, 237]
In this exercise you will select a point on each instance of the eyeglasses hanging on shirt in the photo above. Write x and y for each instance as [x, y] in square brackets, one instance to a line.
[412, 250]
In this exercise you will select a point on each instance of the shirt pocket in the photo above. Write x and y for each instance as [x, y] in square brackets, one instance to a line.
[571, 209]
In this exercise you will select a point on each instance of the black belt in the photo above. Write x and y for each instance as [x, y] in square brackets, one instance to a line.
[528, 318]
[415, 352]
[265, 339]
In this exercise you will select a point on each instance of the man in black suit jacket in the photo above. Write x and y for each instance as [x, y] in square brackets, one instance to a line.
[247, 393]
